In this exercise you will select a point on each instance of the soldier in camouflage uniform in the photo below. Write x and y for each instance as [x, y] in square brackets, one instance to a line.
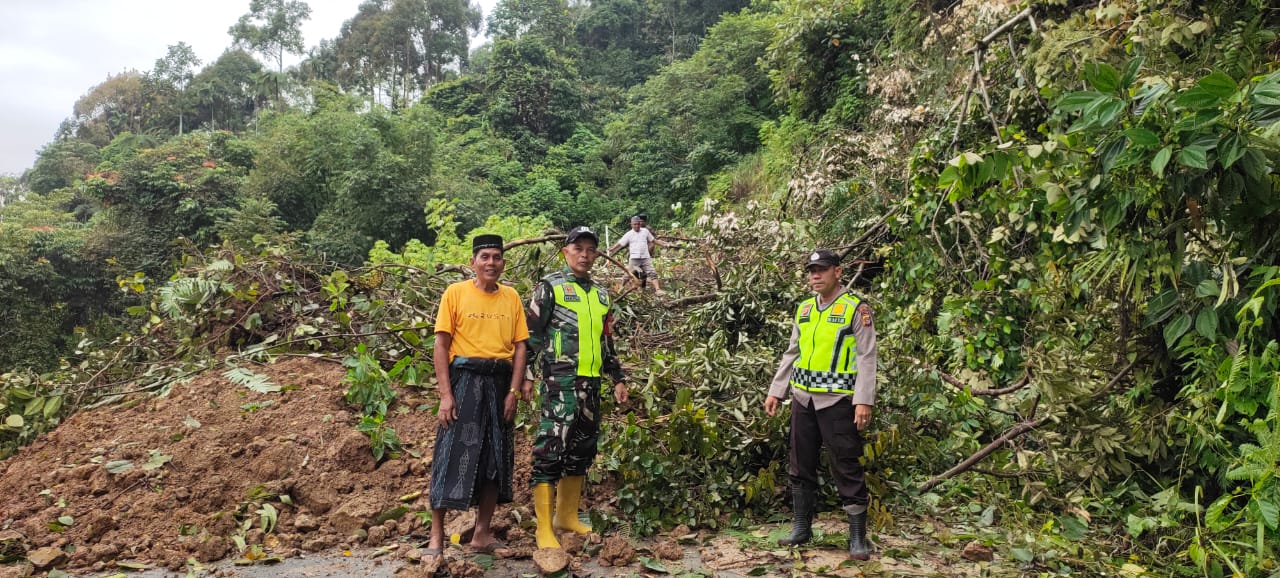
[570, 342]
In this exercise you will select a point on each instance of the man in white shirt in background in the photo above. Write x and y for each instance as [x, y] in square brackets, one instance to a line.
[639, 243]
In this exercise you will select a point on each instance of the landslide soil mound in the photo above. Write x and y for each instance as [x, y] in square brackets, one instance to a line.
[158, 480]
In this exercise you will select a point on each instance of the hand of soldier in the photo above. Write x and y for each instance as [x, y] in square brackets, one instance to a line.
[620, 392]
[448, 412]
[861, 416]
[771, 405]
[527, 390]
[509, 408]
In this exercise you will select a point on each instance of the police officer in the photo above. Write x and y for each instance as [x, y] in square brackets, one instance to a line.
[830, 368]
[570, 342]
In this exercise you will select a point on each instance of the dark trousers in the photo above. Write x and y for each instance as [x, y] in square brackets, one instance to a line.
[834, 428]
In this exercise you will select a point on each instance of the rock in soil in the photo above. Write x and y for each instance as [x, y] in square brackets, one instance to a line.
[551, 560]
[571, 542]
[616, 552]
[19, 571]
[976, 552]
[668, 550]
[464, 569]
[43, 558]
[306, 523]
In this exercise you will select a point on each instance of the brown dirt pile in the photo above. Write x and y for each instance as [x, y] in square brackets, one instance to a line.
[199, 466]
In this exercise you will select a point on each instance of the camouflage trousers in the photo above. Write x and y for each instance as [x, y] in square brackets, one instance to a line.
[569, 428]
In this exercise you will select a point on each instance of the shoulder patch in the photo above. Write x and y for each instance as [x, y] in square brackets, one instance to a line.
[864, 313]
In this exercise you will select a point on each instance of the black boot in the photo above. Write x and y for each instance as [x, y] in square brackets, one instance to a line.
[803, 503]
[859, 549]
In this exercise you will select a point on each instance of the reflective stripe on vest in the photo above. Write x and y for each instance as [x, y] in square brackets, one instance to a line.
[828, 349]
[589, 309]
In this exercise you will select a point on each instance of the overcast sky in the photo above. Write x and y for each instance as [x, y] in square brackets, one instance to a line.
[53, 51]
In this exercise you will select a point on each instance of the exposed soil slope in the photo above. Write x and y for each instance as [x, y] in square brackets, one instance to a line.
[229, 451]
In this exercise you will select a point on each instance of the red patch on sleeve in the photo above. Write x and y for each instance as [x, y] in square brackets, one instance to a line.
[865, 312]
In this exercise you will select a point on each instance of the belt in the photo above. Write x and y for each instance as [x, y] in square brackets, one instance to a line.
[482, 365]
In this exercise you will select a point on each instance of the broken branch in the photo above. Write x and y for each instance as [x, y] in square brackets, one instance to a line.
[530, 241]
[969, 462]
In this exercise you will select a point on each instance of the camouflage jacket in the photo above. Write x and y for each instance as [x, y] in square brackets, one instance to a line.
[570, 328]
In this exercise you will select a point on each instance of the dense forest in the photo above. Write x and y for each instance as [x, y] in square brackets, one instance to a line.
[1063, 212]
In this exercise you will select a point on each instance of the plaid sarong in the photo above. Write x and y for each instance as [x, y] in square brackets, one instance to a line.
[479, 447]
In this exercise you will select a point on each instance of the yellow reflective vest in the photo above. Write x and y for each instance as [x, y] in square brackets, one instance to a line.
[828, 349]
[579, 334]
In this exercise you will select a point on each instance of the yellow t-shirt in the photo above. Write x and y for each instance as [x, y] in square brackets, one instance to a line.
[485, 325]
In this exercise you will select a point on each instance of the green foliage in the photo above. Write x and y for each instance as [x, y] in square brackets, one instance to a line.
[177, 190]
[816, 55]
[225, 94]
[535, 94]
[695, 117]
[368, 388]
[398, 48]
[60, 164]
[1126, 225]
[451, 249]
[53, 287]
[272, 28]
[693, 420]
[367, 383]
[346, 178]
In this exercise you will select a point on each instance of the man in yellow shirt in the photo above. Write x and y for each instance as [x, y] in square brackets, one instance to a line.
[480, 365]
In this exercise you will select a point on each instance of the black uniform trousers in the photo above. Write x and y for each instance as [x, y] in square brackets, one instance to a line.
[833, 427]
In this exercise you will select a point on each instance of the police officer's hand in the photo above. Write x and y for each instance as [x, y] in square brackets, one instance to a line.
[509, 407]
[861, 416]
[771, 405]
[448, 412]
[620, 392]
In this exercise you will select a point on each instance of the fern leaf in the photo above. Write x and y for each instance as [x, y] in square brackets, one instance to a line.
[254, 381]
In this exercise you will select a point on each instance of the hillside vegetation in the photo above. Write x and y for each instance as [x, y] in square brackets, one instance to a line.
[1063, 213]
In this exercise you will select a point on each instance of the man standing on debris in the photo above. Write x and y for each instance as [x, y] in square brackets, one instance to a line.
[639, 243]
[480, 364]
[570, 341]
[830, 367]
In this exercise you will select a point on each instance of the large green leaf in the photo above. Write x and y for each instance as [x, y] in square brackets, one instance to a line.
[1161, 305]
[1230, 149]
[1101, 76]
[1131, 70]
[1194, 157]
[1107, 112]
[1217, 84]
[1078, 101]
[1207, 323]
[1267, 94]
[1161, 160]
[1176, 329]
[1197, 98]
[1142, 137]
[1269, 512]
[1255, 164]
